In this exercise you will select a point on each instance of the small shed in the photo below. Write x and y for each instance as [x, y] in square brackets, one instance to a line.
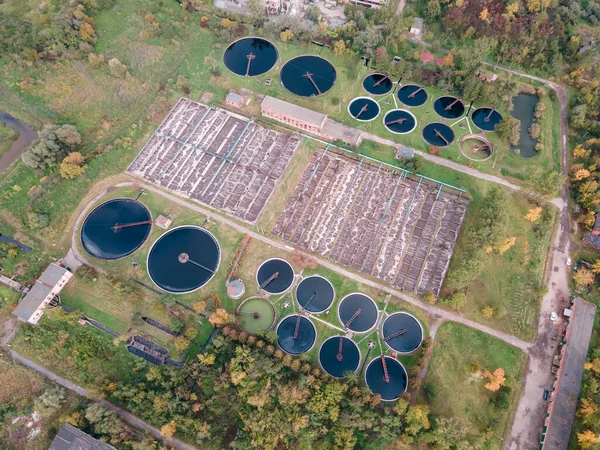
[163, 222]
[487, 76]
[235, 100]
[417, 26]
[403, 152]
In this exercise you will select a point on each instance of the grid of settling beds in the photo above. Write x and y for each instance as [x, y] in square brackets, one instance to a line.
[216, 157]
[377, 222]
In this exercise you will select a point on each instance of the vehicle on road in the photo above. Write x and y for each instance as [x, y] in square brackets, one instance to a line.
[568, 262]
[546, 394]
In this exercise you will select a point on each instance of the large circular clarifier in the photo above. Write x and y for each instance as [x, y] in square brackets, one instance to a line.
[308, 75]
[115, 229]
[486, 118]
[377, 84]
[438, 134]
[339, 356]
[250, 56]
[315, 294]
[449, 107]
[183, 259]
[400, 121]
[364, 109]
[275, 276]
[389, 387]
[357, 312]
[296, 334]
[402, 332]
[412, 95]
[255, 315]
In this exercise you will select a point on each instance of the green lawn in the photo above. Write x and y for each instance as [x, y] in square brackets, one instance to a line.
[454, 386]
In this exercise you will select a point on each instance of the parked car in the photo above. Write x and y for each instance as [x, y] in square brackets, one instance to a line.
[546, 394]
[568, 262]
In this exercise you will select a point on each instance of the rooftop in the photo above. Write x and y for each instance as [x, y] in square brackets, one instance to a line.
[72, 438]
[417, 23]
[233, 97]
[345, 134]
[426, 57]
[298, 112]
[591, 239]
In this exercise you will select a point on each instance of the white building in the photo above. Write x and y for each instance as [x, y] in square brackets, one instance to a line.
[417, 27]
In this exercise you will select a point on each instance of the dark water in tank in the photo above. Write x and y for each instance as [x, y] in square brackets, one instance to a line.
[448, 107]
[328, 356]
[398, 379]
[279, 284]
[405, 126]
[99, 238]
[358, 104]
[431, 137]
[236, 60]
[383, 88]
[368, 314]
[480, 115]
[405, 92]
[524, 109]
[407, 342]
[173, 276]
[307, 335]
[294, 79]
[311, 286]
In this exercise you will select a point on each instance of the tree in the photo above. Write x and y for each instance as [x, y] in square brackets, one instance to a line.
[587, 439]
[496, 379]
[117, 68]
[200, 306]
[483, 15]
[226, 23]
[429, 297]
[219, 318]
[73, 158]
[365, 42]
[596, 267]
[584, 277]
[70, 171]
[487, 312]
[286, 35]
[417, 419]
[312, 13]
[180, 343]
[36, 221]
[48, 149]
[68, 135]
[533, 214]
[168, 429]
[339, 48]
[433, 10]
[506, 245]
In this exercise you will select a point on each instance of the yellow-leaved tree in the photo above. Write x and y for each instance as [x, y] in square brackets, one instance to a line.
[533, 214]
[496, 379]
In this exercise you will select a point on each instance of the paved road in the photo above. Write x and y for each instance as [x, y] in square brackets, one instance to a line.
[124, 415]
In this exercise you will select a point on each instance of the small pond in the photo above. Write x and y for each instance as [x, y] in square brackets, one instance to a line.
[524, 110]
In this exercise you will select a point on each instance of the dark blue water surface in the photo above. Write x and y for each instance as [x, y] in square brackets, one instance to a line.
[236, 60]
[431, 137]
[294, 79]
[279, 284]
[375, 379]
[99, 238]
[357, 105]
[328, 356]
[383, 88]
[404, 127]
[407, 342]
[311, 286]
[480, 115]
[443, 108]
[524, 110]
[368, 314]
[307, 334]
[171, 275]
[405, 92]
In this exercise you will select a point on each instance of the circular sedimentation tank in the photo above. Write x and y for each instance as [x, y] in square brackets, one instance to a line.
[364, 109]
[296, 342]
[438, 134]
[476, 147]
[308, 75]
[486, 118]
[377, 84]
[402, 332]
[339, 356]
[255, 315]
[116, 228]
[358, 312]
[275, 276]
[412, 95]
[315, 294]
[400, 121]
[389, 388]
[250, 56]
[183, 259]
[449, 107]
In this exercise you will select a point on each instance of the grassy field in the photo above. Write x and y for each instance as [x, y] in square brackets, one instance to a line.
[7, 137]
[454, 386]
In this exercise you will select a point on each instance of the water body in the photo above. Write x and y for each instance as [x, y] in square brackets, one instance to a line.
[524, 110]
[400, 121]
[412, 95]
[412, 337]
[328, 356]
[383, 88]
[25, 138]
[307, 335]
[236, 56]
[316, 290]
[368, 312]
[486, 118]
[295, 75]
[279, 284]
[375, 378]
[171, 275]
[449, 107]
[101, 240]
[256, 315]
[438, 134]
[364, 109]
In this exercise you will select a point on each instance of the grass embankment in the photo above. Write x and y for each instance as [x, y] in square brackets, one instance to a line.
[454, 385]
